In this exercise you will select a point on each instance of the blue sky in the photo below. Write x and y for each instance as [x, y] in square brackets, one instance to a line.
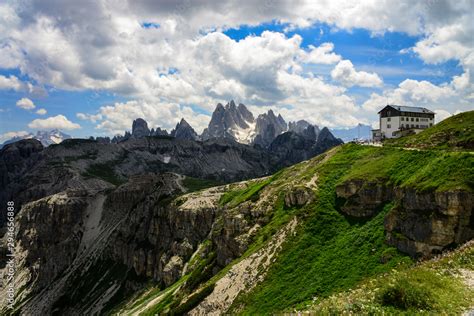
[164, 66]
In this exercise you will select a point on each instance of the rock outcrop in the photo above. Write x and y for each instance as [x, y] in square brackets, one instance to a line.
[425, 224]
[363, 198]
[421, 224]
[298, 196]
[140, 128]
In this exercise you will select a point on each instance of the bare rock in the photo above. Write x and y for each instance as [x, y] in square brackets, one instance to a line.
[298, 196]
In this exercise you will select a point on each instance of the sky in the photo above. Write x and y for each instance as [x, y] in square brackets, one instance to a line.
[92, 67]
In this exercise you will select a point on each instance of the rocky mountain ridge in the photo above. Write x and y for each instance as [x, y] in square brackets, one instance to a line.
[230, 121]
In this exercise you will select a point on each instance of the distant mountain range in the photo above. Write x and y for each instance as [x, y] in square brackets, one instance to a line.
[46, 138]
[361, 132]
[230, 121]
[234, 122]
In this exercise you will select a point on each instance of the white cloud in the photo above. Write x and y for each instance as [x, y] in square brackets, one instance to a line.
[13, 83]
[444, 99]
[118, 118]
[322, 54]
[6, 136]
[10, 82]
[345, 73]
[100, 45]
[89, 117]
[53, 122]
[41, 111]
[441, 115]
[25, 103]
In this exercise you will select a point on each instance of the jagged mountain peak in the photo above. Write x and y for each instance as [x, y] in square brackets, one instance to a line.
[304, 128]
[231, 104]
[183, 122]
[231, 121]
[184, 131]
[326, 135]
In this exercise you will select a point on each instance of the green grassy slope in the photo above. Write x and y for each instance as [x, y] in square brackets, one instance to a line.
[332, 252]
[454, 133]
[438, 286]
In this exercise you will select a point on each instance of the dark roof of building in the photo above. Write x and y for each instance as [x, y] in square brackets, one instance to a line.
[412, 109]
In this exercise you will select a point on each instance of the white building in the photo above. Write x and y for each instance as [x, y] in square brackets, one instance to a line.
[396, 121]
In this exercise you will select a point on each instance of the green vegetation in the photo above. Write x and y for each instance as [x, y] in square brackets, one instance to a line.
[104, 171]
[235, 197]
[192, 301]
[421, 170]
[433, 287]
[454, 133]
[195, 184]
[329, 252]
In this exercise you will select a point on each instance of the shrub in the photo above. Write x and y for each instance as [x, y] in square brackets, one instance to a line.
[406, 294]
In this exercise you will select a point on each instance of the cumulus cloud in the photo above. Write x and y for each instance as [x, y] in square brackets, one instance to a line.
[322, 54]
[89, 117]
[345, 73]
[188, 59]
[10, 82]
[446, 99]
[118, 117]
[13, 83]
[25, 103]
[53, 122]
[41, 112]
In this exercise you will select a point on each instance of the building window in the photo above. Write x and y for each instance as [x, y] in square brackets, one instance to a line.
[402, 119]
[388, 119]
[417, 126]
[389, 126]
[412, 125]
[412, 119]
[431, 124]
[417, 120]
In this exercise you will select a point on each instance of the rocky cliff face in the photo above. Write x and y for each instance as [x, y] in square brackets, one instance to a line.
[139, 230]
[421, 224]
